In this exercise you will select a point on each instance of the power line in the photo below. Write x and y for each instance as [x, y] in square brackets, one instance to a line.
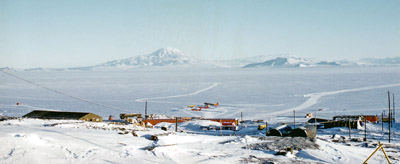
[61, 93]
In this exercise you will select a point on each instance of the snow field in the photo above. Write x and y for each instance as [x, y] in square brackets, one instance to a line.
[55, 141]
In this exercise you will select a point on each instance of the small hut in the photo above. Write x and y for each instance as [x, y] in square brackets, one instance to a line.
[61, 115]
[282, 131]
[308, 131]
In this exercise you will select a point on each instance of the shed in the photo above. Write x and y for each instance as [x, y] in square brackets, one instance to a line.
[371, 118]
[348, 117]
[282, 131]
[309, 131]
[62, 115]
[317, 120]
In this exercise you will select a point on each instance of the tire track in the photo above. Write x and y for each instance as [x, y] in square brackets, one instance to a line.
[175, 96]
[314, 97]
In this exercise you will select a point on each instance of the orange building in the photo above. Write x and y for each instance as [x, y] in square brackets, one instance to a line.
[222, 120]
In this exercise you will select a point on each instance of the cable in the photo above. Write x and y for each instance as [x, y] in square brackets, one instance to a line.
[61, 93]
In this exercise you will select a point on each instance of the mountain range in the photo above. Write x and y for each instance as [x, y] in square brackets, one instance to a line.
[291, 62]
[174, 58]
[380, 61]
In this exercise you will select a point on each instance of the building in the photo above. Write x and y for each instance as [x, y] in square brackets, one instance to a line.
[371, 118]
[62, 115]
[351, 121]
[227, 121]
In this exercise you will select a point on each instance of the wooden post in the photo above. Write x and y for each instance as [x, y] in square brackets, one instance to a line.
[176, 124]
[379, 147]
[145, 114]
[391, 119]
[294, 119]
[220, 128]
[394, 110]
[349, 129]
[365, 129]
[389, 115]
[389, 125]
[266, 128]
[145, 110]
[382, 121]
[241, 116]
[383, 150]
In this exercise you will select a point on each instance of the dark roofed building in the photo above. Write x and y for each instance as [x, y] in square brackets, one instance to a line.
[61, 115]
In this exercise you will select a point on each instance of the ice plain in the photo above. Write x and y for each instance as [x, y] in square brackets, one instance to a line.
[258, 93]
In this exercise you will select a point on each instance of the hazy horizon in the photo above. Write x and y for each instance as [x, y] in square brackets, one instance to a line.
[272, 56]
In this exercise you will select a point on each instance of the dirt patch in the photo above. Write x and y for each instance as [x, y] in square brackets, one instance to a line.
[280, 143]
[254, 159]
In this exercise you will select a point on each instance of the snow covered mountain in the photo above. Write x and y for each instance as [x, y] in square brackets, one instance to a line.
[161, 57]
[240, 62]
[7, 69]
[291, 62]
[380, 61]
[174, 58]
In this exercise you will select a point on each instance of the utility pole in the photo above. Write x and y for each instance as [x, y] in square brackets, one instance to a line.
[145, 110]
[294, 119]
[382, 121]
[391, 119]
[349, 129]
[365, 129]
[394, 110]
[389, 127]
[389, 114]
[176, 124]
[145, 114]
[220, 128]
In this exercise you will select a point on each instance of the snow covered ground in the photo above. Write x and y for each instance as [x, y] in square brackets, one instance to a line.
[267, 94]
[55, 141]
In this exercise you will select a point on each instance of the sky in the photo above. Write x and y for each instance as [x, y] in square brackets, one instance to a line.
[71, 33]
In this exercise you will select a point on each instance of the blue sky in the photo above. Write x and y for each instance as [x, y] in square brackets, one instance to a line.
[48, 33]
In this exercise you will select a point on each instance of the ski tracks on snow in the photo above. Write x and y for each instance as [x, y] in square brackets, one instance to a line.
[175, 96]
[314, 97]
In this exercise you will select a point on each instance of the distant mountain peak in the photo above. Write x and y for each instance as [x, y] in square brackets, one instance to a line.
[291, 62]
[7, 69]
[170, 57]
[381, 61]
[161, 57]
[167, 50]
[168, 54]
